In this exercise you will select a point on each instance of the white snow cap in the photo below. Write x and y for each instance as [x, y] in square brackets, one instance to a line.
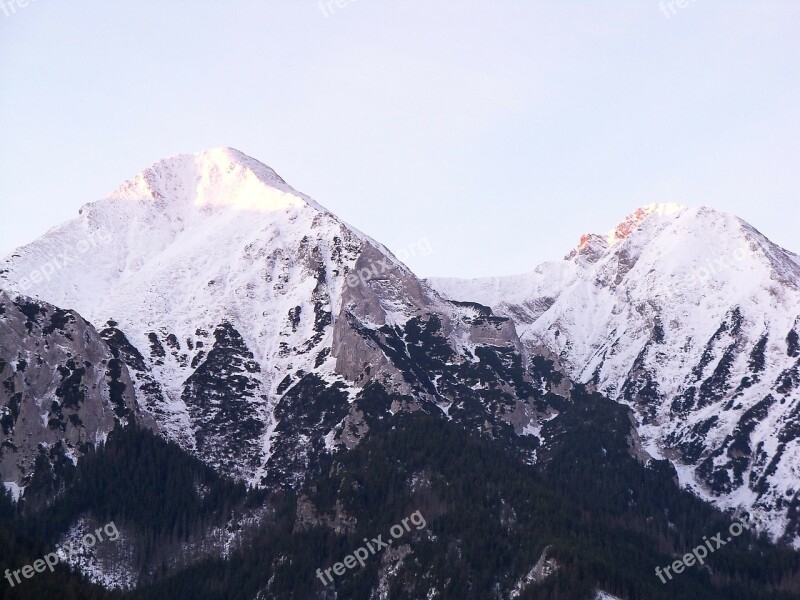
[632, 223]
[637, 217]
[220, 177]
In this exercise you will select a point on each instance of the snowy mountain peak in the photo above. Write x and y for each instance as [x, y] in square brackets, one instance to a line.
[219, 177]
[592, 246]
[633, 221]
[689, 315]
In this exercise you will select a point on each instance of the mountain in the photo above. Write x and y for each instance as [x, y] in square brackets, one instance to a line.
[251, 389]
[691, 317]
[237, 304]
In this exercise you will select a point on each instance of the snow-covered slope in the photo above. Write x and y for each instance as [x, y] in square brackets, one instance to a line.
[200, 254]
[691, 316]
[223, 288]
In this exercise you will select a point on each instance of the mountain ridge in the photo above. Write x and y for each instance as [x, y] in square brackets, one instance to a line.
[689, 305]
[217, 284]
[267, 342]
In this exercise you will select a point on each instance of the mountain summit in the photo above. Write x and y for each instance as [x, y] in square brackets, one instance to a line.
[690, 316]
[230, 295]
[633, 221]
[239, 378]
[221, 177]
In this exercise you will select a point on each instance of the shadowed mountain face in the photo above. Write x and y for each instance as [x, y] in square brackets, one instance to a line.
[288, 364]
[62, 390]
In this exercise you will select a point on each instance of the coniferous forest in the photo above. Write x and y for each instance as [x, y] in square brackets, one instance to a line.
[587, 506]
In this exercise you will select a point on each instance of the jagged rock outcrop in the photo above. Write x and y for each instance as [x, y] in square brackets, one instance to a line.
[260, 331]
[691, 317]
[62, 389]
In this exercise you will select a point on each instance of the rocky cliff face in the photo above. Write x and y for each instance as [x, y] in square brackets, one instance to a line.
[237, 303]
[273, 342]
[691, 317]
[62, 389]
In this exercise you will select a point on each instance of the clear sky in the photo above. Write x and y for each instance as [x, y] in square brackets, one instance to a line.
[499, 130]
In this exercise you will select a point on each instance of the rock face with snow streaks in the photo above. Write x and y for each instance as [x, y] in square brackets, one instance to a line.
[233, 299]
[691, 316]
[62, 389]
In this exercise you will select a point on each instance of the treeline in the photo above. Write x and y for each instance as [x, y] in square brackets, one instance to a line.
[606, 519]
[18, 550]
[164, 502]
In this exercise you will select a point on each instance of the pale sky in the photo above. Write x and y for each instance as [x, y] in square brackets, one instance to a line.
[499, 131]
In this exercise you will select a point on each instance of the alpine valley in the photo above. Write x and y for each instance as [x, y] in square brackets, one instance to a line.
[250, 389]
